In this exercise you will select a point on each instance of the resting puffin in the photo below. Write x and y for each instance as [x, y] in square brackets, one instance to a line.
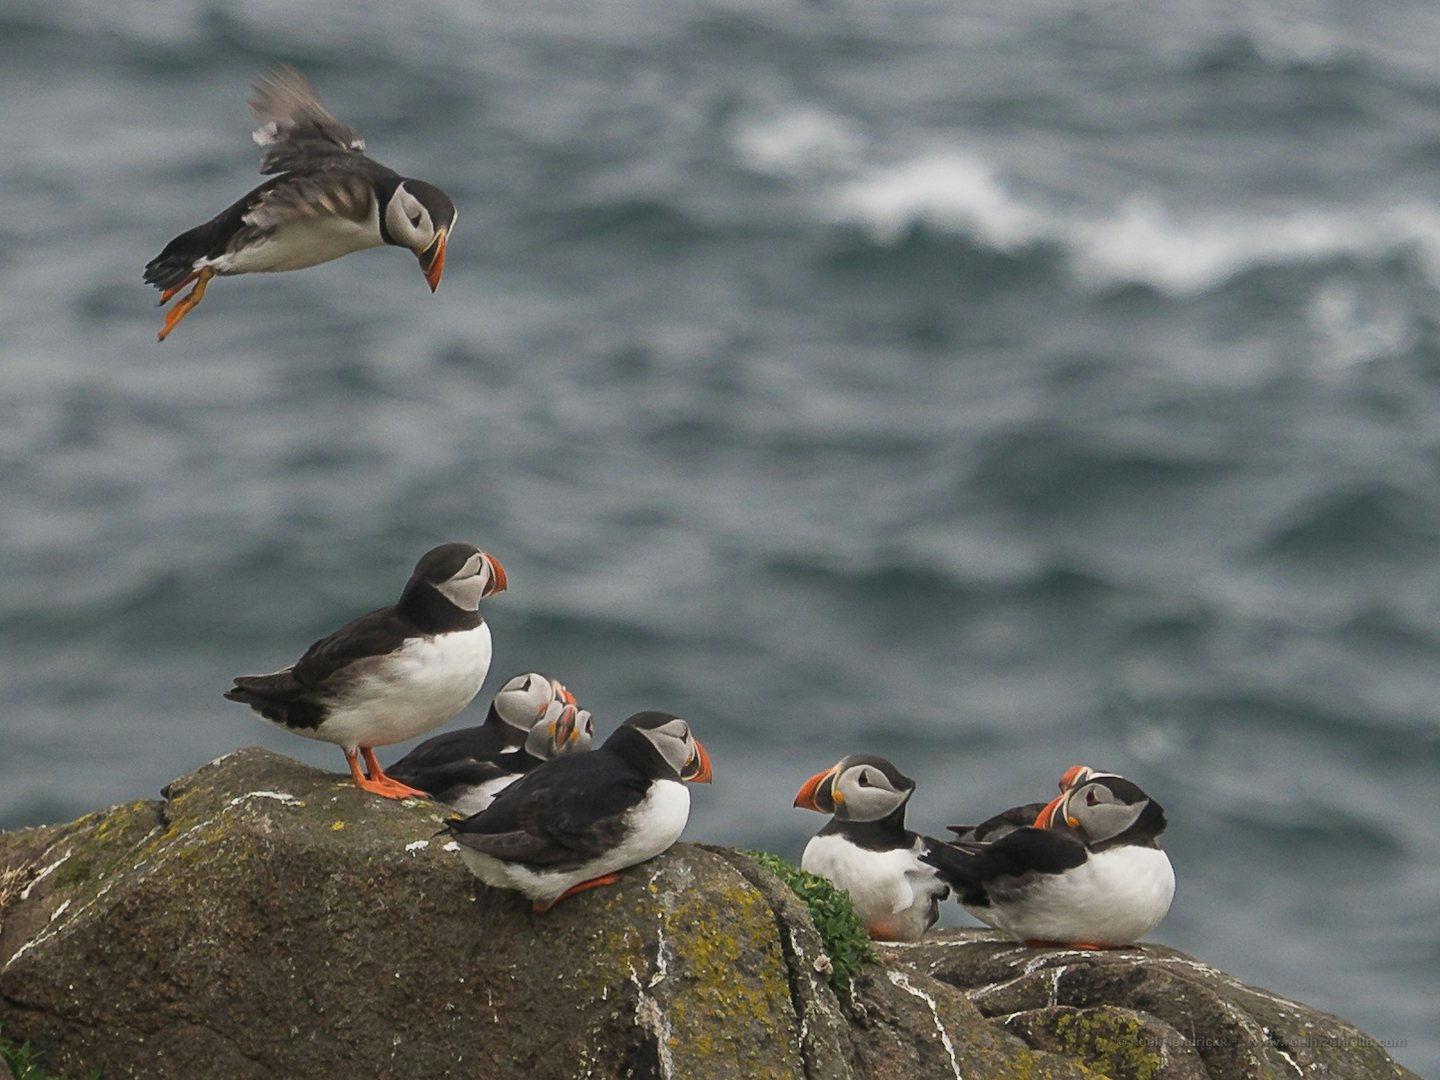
[866, 849]
[518, 705]
[1017, 817]
[328, 200]
[1089, 874]
[393, 674]
[469, 784]
[572, 823]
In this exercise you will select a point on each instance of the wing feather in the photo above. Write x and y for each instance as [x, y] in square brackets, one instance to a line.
[295, 128]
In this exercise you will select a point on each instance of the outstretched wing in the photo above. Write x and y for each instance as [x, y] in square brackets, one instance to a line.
[294, 127]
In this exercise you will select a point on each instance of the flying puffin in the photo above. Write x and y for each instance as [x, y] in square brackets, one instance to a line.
[1088, 874]
[393, 674]
[328, 200]
[573, 822]
[866, 849]
[469, 784]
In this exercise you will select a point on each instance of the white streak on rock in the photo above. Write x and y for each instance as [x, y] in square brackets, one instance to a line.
[651, 1017]
[278, 796]
[451, 846]
[25, 892]
[417, 845]
[900, 979]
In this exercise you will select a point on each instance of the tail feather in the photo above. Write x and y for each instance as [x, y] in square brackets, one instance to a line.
[279, 698]
[177, 261]
[958, 867]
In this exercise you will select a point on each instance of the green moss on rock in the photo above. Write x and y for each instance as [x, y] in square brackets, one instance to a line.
[833, 912]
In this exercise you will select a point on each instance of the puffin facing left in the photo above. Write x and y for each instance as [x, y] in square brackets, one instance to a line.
[393, 674]
[328, 200]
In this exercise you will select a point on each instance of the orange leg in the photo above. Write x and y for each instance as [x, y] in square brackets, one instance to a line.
[168, 293]
[188, 303]
[377, 783]
[593, 883]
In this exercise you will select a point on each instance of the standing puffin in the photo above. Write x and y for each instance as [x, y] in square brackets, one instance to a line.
[328, 200]
[572, 823]
[1089, 873]
[393, 674]
[866, 849]
[468, 783]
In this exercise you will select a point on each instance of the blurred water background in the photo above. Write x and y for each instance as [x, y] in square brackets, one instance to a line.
[993, 387]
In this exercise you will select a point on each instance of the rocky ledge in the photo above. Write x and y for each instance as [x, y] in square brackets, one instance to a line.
[266, 919]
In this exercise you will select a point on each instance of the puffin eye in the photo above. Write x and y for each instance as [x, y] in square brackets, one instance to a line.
[864, 779]
[415, 221]
[1091, 798]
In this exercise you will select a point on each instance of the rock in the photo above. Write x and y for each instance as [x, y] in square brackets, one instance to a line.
[1144, 1013]
[267, 919]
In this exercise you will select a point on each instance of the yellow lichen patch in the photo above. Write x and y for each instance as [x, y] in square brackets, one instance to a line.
[733, 992]
[337, 826]
[1109, 1041]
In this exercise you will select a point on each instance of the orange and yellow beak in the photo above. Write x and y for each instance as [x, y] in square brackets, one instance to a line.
[1074, 775]
[564, 730]
[498, 581]
[565, 695]
[1046, 818]
[700, 763]
[809, 793]
[432, 259]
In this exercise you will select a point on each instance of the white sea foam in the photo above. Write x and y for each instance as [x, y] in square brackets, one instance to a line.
[1138, 239]
[796, 141]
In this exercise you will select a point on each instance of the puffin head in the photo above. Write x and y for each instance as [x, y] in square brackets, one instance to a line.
[665, 744]
[860, 787]
[420, 216]
[562, 729]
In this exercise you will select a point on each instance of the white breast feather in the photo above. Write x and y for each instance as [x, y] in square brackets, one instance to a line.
[1115, 897]
[410, 692]
[302, 242]
[481, 795]
[892, 890]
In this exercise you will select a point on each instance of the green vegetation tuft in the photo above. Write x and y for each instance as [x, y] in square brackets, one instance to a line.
[831, 909]
[23, 1064]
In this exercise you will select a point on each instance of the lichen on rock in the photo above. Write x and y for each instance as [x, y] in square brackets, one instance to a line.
[231, 929]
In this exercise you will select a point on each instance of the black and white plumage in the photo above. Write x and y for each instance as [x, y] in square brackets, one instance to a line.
[514, 711]
[468, 781]
[327, 200]
[395, 673]
[1018, 817]
[572, 823]
[1089, 874]
[866, 849]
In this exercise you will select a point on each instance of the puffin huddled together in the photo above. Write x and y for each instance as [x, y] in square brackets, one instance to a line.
[541, 811]
[1085, 870]
[548, 816]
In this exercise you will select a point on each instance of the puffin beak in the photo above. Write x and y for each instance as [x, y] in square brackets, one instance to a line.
[1045, 819]
[565, 695]
[806, 796]
[700, 763]
[498, 581]
[563, 731]
[432, 259]
[1074, 775]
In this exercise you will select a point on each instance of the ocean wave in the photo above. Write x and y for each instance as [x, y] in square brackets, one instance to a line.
[1138, 240]
[1367, 521]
